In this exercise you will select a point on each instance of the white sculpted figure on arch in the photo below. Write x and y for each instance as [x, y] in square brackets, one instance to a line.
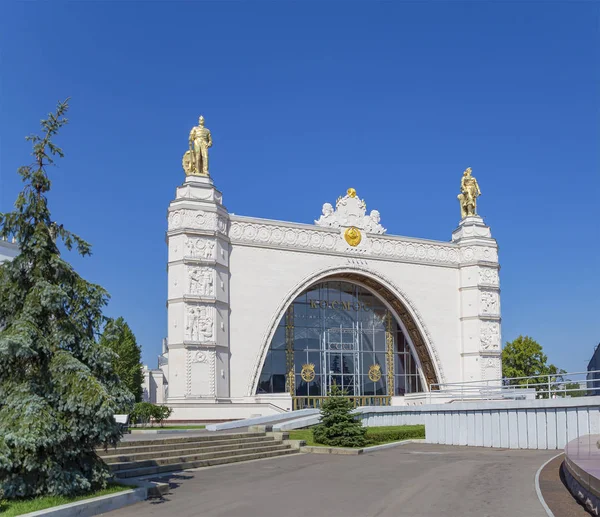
[350, 210]
[199, 325]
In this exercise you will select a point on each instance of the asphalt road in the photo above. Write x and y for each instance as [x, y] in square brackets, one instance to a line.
[416, 480]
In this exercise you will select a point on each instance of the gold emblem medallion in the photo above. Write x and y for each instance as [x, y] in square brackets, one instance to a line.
[308, 372]
[351, 192]
[375, 372]
[352, 236]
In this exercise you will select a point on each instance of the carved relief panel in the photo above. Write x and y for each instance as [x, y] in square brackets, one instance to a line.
[490, 303]
[490, 335]
[489, 276]
[200, 248]
[201, 281]
[491, 368]
[199, 325]
[200, 373]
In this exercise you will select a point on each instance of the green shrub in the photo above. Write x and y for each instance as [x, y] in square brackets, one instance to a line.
[142, 413]
[339, 427]
[161, 413]
[376, 435]
[145, 413]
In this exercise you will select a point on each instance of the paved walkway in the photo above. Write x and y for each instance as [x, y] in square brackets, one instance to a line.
[416, 480]
[555, 492]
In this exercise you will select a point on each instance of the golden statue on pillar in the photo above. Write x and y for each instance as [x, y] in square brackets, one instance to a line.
[469, 192]
[195, 160]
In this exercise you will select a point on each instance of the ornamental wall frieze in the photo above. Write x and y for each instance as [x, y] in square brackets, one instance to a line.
[375, 246]
[197, 220]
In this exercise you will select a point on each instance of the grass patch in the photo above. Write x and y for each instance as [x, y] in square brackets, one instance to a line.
[306, 435]
[10, 508]
[375, 435]
[146, 428]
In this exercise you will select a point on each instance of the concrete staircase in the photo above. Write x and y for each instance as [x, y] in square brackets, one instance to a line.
[149, 457]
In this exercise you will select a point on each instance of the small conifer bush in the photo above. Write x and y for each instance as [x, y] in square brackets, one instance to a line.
[339, 427]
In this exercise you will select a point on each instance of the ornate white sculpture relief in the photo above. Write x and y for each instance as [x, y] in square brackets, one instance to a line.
[371, 222]
[200, 248]
[196, 219]
[350, 210]
[198, 356]
[489, 276]
[199, 324]
[201, 280]
[328, 218]
[490, 335]
[489, 303]
[491, 368]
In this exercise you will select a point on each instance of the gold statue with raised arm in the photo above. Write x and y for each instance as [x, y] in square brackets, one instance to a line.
[195, 161]
[469, 192]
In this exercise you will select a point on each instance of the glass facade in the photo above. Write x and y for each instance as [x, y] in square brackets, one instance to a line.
[339, 333]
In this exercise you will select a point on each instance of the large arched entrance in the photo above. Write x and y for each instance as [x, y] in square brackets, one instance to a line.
[342, 331]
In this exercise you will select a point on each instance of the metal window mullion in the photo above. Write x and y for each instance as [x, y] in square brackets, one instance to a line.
[289, 351]
[389, 353]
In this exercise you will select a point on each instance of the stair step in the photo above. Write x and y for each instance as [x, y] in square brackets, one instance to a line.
[135, 449]
[114, 467]
[185, 439]
[140, 456]
[158, 469]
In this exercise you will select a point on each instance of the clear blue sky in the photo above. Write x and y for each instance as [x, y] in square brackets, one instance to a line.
[305, 99]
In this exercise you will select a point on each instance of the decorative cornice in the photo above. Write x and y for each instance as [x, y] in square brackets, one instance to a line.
[185, 218]
[306, 238]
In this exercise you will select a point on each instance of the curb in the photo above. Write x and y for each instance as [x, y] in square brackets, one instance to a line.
[105, 503]
[354, 452]
[538, 490]
[94, 506]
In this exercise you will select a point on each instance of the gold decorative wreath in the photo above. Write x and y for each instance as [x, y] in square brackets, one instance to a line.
[375, 372]
[352, 236]
[308, 372]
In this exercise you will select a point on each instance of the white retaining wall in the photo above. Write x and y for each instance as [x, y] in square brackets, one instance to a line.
[523, 424]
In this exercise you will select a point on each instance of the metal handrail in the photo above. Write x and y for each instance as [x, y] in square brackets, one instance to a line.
[554, 384]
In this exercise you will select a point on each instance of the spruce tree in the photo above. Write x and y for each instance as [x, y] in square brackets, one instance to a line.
[339, 427]
[58, 391]
[127, 364]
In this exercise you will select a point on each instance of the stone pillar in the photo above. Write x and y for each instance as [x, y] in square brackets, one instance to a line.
[479, 288]
[198, 293]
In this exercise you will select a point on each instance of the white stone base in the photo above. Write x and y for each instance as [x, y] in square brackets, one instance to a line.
[229, 409]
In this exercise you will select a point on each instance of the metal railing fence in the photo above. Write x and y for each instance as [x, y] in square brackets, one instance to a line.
[568, 384]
